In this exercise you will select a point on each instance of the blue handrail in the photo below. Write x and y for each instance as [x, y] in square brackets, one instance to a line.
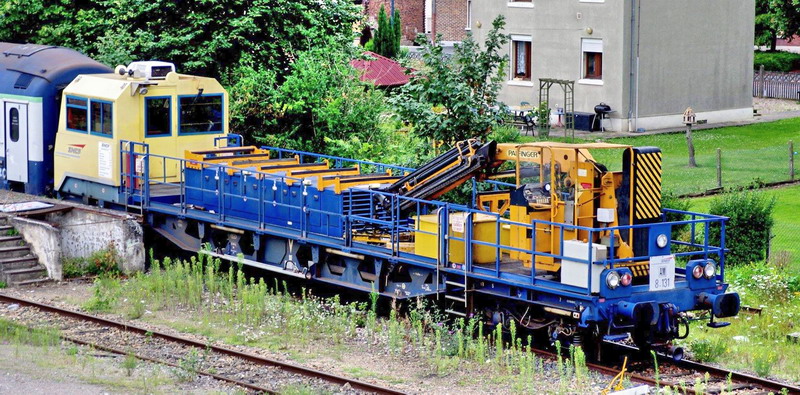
[395, 223]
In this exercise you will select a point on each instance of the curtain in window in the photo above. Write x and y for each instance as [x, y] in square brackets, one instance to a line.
[521, 58]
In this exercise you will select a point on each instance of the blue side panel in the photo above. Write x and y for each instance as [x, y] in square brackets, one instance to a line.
[277, 203]
[37, 179]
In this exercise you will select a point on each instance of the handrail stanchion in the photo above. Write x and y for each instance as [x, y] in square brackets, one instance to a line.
[722, 249]
[590, 263]
[468, 243]
[706, 225]
[533, 252]
[182, 184]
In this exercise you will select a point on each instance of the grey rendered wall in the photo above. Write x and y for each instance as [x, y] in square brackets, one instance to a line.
[696, 53]
[556, 32]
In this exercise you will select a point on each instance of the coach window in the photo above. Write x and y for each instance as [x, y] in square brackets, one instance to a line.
[200, 114]
[77, 114]
[158, 116]
[13, 116]
[101, 118]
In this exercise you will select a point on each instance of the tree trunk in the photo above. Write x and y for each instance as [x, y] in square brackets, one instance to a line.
[773, 43]
[690, 145]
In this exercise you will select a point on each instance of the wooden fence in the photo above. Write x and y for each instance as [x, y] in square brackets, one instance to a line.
[777, 85]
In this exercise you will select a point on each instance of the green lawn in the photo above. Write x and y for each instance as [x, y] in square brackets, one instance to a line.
[748, 152]
[787, 221]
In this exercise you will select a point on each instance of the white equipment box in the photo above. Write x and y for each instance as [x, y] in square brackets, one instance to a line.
[576, 273]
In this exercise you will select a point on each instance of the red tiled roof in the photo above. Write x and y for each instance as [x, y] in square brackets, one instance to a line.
[382, 70]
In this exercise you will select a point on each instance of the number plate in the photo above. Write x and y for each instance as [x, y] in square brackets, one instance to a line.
[662, 272]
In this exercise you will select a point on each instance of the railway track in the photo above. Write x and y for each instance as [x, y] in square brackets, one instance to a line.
[250, 371]
[690, 377]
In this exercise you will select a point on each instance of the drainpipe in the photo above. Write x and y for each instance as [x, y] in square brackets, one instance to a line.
[433, 20]
[633, 87]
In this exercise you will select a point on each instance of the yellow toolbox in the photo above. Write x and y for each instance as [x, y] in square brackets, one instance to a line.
[484, 228]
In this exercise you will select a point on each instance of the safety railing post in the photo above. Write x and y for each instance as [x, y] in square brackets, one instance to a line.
[533, 252]
[722, 248]
[591, 261]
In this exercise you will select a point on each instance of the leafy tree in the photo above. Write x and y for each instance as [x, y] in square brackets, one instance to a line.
[204, 37]
[775, 19]
[455, 98]
[321, 99]
[387, 38]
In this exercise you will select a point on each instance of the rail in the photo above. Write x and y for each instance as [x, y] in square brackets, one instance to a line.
[283, 205]
[245, 356]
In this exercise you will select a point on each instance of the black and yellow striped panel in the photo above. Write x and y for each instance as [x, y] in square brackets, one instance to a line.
[647, 186]
[638, 269]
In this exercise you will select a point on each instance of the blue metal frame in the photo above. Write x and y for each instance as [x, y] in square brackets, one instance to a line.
[147, 117]
[90, 116]
[86, 108]
[285, 207]
[221, 109]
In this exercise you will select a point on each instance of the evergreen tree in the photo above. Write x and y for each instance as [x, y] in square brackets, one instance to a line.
[387, 38]
[397, 32]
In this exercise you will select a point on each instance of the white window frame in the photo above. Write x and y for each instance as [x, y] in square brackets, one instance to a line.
[591, 1]
[591, 45]
[519, 38]
[469, 15]
[520, 4]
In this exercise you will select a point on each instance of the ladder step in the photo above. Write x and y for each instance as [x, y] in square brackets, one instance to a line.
[456, 298]
[455, 284]
[458, 313]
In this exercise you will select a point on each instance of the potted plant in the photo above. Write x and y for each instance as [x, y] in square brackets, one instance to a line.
[542, 114]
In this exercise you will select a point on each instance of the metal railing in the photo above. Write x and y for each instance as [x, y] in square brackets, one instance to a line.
[232, 202]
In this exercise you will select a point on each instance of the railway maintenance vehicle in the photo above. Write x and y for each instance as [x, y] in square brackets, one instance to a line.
[559, 244]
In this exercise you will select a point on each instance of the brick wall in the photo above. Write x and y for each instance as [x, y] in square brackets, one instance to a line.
[412, 15]
[451, 18]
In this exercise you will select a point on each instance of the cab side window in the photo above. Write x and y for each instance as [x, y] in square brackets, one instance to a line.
[200, 114]
[77, 114]
[158, 116]
[102, 115]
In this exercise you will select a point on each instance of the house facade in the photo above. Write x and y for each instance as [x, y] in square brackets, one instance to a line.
[648, 60]
[447, 18]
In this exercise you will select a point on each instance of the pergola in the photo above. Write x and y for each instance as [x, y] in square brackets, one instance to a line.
[568, 87]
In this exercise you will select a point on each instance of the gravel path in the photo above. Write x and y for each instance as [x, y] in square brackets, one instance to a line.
[190, 359]
[773, 106]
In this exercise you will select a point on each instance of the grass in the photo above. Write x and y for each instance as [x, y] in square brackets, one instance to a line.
[755, 342]
[199, 297]
[752, 152]
[786, 231]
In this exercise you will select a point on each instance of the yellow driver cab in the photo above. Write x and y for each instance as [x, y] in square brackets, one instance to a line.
[145, 102]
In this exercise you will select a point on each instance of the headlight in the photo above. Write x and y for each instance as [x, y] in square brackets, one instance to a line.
[626, 279]
[697, 271]
[612, 279]
[710, 270]
[661, 240]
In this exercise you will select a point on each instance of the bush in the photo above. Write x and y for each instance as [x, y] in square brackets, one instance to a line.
[705, 350]
[672, 201]
[777, 61]
[748, 230]
[504, 134]
[102, 262]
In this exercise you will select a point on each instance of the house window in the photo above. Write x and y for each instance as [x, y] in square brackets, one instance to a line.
[77, 114]
[592, 58]
[102, 115]
[521, 58]
[200, 114]
[469, 14]
[521, 3]
[158, 116]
